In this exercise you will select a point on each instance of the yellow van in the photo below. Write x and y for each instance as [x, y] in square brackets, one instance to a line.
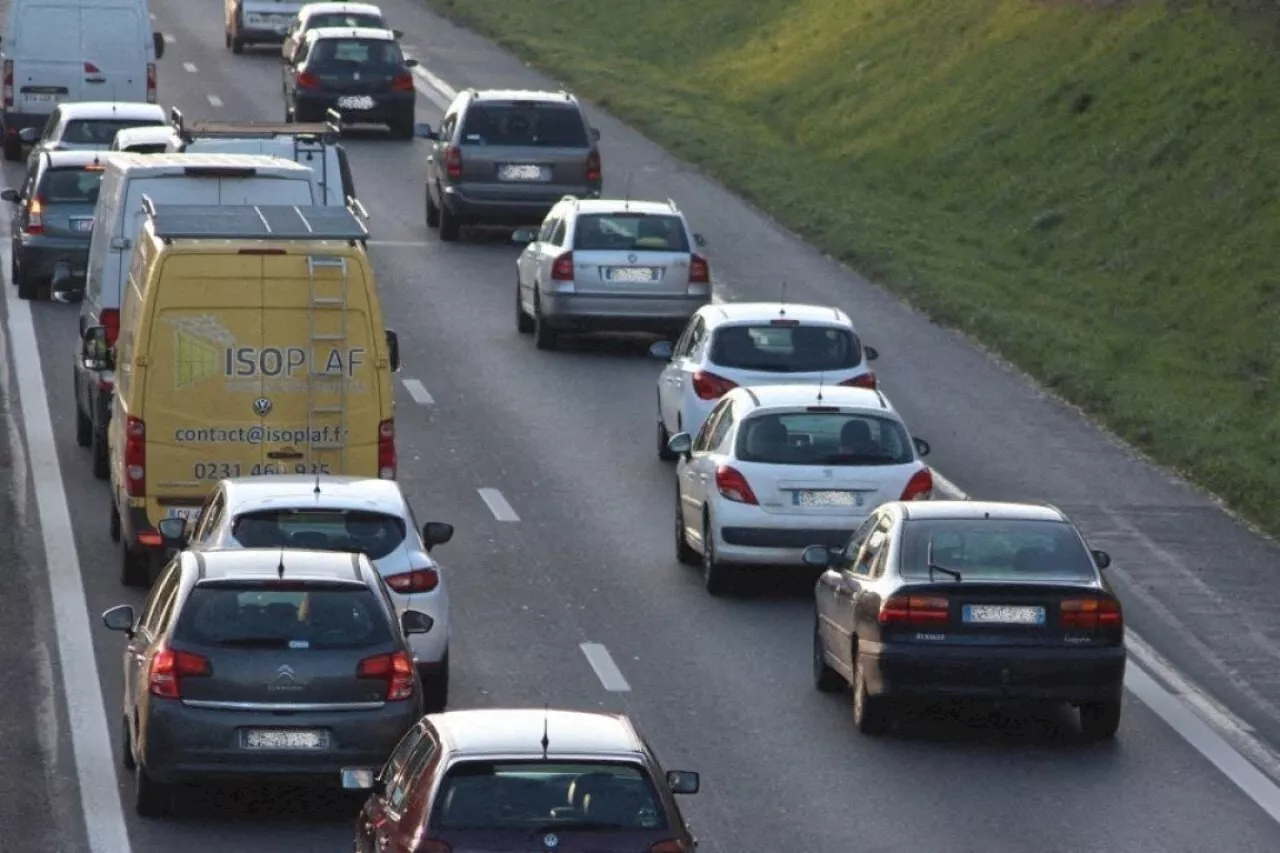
[251, 343]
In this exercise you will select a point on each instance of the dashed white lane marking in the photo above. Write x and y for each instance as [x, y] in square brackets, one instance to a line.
[190, 67]
[151, 15]
[168, 39]
[214, 100]
[606, 670]
[418, 392]
[498, 505]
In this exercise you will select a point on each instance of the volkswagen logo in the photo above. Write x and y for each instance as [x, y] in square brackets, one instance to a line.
[631, 259]
[551, 841]
[261, 406]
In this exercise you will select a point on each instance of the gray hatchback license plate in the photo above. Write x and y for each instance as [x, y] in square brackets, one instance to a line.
[82, 225]
[285, 739]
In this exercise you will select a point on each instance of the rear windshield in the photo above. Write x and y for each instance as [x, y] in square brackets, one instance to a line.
[811, 438]
[70, 185]
[537, 795]
[343, 19]
[786, 349]
[337, 54]
[529, 124]
[987, 549]
[257, 616]
[625, 232]
[147, 148]
[370, 533]
[98, 131]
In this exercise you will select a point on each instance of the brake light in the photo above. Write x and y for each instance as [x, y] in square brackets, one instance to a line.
[1091, 614]
[169, 667]
[395, 668]
[784, 322]
[733, 486]
[594, 167]
[387, 449]
[699, 270]
[453, 161]
[919, 487]
[672, 846]
[35, 217]
[110, 320]
[307, 80]
[402, 83]
[8, 83]
[862, 380]
[90, 68]
[135, 457]
[562, 268]
[151, 82]
[709, 386]
[418, 580]
[915, 611]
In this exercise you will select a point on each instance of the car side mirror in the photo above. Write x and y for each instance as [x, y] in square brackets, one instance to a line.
[818, 556]
[680, 444]
[662, 350]
[11, 196]
[871, 353]
[1101, 558]
[683, 781]
[29, 134]
[436, 533]
[411, 63]
[174, 532]
[595, 134]
[699, 240]
[397, 33]
[94, 352]
[393, 350]
[361, 779]
[158, 40]
[422, 130]
[523, 236]
[922, 446]
[120, 618]
[416, 622]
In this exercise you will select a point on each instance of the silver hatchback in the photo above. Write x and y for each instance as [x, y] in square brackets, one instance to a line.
[599, 265]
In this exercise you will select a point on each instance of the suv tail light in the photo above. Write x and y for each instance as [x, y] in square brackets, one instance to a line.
[1091, 614]
[403, 82]
[699, 270]
[307, 80]
[915, 611]
[594, 167]
[919, 487]
[733, 486]
[562, 268]
[35, 217]
[862, 380]
[151, 82]
[417, 580]
[169, 667]
[453, 161]
[8, 86]
[709, 386]
[135, 458]
[395, 668]
[387, 449]
[110, 320]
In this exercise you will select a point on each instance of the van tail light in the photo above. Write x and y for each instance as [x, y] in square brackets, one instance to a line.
[395, 668]
[402, 82]
[90, 68]
[672, 846]
[417, 580]
[307, 80]
[594, 167]
[169, 667]
[1091, 614]
[35, 217]
[8, 87]
[387, 449]
[135, 458]
[699, 270]
[453, 161]
[915, 611]
[919, 487]
[151, 82]
[862, 380]
[562, 268]
[709, 386]
[110, 320]
[732, 485]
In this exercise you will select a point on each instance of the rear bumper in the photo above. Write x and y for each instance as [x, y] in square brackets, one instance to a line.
[260, 35]
[510, 210]
[390, 107]
[14, 122]
[619, 313]
[1076, 676]
[37, 256]
[750, 536]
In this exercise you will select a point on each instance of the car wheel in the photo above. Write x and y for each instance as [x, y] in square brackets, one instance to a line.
[435, 687]
[870, 714]
[114, 528]
[13, 149]
[715, 574]
[1100, 720]
[226, 39]
[15, 272]
[135, 568]
[544, 337]
[403, 128]
[84, 426]
[433, 212]
[126, 745]
[450, 226]
[98, 449]
[28, 288]
[826, 679]
[664, 453]
[524, 323]
[150, 799]
[684, 552]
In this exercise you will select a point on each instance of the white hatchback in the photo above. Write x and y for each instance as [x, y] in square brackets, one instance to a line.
[777, 468]
[738, 344]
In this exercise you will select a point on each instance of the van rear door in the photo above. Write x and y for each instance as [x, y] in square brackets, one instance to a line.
[46, 67]
[113, 44]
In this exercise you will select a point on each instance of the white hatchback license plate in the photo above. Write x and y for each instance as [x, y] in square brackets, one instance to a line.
[82, 225]
[1003, 614]
[631, 274]
[826, 498]
[284, 739]
[523, 172]
[355, 102]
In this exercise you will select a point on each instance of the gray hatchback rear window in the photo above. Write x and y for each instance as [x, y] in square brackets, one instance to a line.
[283, 615]
[630, 232]
[75, 185]
[525, 124]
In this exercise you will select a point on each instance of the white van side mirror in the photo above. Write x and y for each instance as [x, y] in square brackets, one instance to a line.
[158, 39]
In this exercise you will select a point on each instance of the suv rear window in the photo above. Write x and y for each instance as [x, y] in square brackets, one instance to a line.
[521, 795]
[260, 616]
[527, 124]
[70, 185]
[630, 232]
[809, 438]
[373, 534]
[335, 54]
[785, 349]
[98, 131]
[996, 549]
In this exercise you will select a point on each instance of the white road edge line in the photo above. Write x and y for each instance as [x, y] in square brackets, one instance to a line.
[498, 505]
[91, 736]
[214, 100]
[430, 92]
[447, 91]
[606, 670]
[190, 67]
[418, 392]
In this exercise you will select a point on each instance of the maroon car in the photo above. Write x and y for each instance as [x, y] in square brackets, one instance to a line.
[522, 781]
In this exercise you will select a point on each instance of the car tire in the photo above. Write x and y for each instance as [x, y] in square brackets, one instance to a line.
[150, 799]
[237, 43]
[402, 129]
[433, 212]
[716, 576]
[84, 426]
[126, 745]
[826, 679]
[14, 272]
[226, 39]
[684, 551]
[664, 453]
[544, 337]
[114, 527]
[98, 450]
[13, 149]
[870, 713]
[1100, 720]
[135, 568]
[450, 226]
[27, 288]
[524, 323]
[435, 687]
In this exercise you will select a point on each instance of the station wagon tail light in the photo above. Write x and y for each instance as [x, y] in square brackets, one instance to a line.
[733, 486]
[1091, 614]
[307, 80]
[919, 487]
[915, 611]
[418, 580]
[403, 82]
[135, 457]
[387, 449]
[562, 268]
[169, 667]
[453, 161]
[699, 270]
[672, 846]
[8, 87]
[35, 217]
[110, 320]
[862, 380]
[709, 386]
[151, 82]
[395, 668]
[594, 167]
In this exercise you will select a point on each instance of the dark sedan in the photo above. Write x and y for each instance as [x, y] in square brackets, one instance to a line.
[969, 600]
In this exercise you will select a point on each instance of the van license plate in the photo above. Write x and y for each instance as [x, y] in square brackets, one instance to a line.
[187, 513]
[285, 739]
[40, 97]
[1003, 614]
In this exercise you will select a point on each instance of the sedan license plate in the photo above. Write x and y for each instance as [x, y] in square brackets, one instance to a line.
[1003, 614]
[355, 102]
[631, 274]
[82, 225]
[284, 739]
[826, 498]
[523, 172]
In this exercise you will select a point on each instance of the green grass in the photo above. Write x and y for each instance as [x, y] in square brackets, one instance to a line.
[1088, 188]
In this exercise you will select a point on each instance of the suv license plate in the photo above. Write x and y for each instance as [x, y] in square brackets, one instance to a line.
[285, 739]
[523, 172]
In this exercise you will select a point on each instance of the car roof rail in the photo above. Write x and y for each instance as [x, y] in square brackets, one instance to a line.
[671, 203]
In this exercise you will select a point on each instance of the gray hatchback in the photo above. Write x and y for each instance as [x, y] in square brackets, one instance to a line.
[272, 663]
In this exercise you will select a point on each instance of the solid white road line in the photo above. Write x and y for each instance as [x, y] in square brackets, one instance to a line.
[447, 91]
[91, 736]
[606, 670]
[429, 91]
[190, 67]
[214, 100]
[418, 392]
[498, 505]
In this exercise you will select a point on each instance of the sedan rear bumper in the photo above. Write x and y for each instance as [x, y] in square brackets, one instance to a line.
[37, 256]
[592, 312]
[388, 108]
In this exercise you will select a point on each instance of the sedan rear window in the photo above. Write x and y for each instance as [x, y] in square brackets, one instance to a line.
[73, 185]
[629, 232]
[259, 616]
[373, 534]
[526, 125]
[807, 438]
[335, 54]
[785, 349]
[538, 796]
[996, 549]
[98, 131]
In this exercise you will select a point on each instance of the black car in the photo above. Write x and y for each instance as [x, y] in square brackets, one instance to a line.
[50, 230]
[267, 663]
[969, 600]
[358, 71]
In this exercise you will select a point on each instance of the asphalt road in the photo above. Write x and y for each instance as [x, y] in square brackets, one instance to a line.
[719, 686]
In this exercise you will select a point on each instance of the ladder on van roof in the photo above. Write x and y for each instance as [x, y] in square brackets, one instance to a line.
[327, 384]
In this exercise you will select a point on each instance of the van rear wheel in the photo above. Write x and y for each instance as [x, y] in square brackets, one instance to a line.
[13, 149]
[135, 567]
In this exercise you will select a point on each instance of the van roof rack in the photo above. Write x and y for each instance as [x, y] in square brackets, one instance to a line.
[252, 222]
[329, 130]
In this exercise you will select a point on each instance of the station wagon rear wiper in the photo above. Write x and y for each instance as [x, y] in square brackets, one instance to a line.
[934, 567]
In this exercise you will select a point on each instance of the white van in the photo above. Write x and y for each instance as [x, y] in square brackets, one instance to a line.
[315, 146]
[56, 51]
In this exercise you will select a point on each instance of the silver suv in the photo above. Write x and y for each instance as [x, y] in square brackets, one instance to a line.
[504, 157]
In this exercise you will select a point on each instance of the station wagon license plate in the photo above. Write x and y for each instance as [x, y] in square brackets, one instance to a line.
[1003, 614]
[523, 172]
[82, 225]
[826, 498]
[625, 274]
[284, 739]
[355, 102]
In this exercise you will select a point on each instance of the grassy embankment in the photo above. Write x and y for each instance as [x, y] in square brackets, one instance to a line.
[1090, 189]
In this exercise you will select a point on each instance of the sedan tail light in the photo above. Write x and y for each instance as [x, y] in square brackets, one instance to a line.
[417, 580]
[562, 268]
[862, 380]
[307, 80]
[35, 217]
[919, 487]
[1091, 614]
[594, 169]
[915, 611]
[402, 83]
[453, 161]
[699, 270]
